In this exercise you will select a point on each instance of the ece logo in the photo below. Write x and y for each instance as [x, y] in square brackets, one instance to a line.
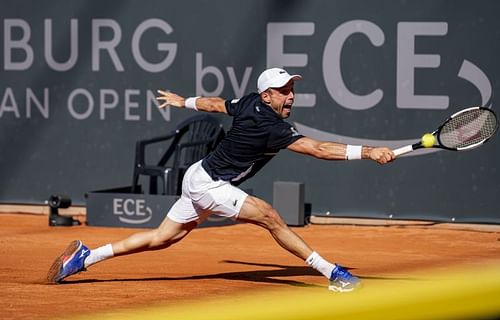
[133, 211]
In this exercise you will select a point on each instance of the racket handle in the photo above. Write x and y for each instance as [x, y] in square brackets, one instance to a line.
[403, 150]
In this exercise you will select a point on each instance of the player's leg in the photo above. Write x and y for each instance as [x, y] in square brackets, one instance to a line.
[180, 220]
[259, 212]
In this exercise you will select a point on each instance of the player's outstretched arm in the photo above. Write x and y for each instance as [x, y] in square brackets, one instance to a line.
[339, 151]
[208, 104]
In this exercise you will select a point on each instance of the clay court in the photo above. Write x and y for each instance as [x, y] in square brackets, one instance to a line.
[220, 262]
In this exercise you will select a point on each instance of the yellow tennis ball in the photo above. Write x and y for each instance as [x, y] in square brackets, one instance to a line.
[428, 140]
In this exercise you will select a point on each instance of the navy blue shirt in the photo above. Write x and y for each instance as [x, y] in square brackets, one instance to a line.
[255, 137]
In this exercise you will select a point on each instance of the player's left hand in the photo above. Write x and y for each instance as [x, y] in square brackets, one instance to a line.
[168, 98]
[382, 155]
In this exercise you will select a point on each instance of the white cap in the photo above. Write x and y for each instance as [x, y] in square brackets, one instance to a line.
[274, 78]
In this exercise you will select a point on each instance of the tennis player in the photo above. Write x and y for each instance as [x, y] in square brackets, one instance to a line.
[210, 187]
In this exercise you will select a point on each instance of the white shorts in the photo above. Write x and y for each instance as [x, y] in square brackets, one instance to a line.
[202, 196]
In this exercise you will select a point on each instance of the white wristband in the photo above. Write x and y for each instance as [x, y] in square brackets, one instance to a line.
[191, 103]
[353, 152]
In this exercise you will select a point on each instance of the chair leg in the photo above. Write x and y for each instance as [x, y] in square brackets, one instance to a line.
[153, 185]
[135, 186]
[166, 181]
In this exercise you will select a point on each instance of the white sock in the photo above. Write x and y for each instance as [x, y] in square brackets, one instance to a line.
[320, 264]
[99, 254]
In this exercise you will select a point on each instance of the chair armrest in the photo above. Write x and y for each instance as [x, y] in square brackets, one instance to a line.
[158, 139]
[140, 146]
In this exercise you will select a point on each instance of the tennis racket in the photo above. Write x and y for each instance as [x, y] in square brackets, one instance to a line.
[464, 130]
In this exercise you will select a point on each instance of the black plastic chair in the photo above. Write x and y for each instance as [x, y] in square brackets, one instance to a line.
[192, 140]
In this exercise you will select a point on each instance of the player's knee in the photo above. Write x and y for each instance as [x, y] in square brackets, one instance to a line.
[272, 219]
[160, 240]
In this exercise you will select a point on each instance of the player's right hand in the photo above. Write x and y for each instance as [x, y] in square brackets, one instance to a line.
[167, 98]
[382, 155]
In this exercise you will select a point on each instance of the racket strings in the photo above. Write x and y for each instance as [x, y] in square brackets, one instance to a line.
[468, 129]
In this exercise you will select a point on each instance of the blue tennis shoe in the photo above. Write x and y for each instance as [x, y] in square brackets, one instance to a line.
[70, 262]
[342, 280]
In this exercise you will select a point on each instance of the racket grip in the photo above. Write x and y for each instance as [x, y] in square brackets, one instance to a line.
[402, 150]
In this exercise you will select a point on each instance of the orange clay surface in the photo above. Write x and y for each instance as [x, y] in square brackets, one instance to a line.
[214, 262]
